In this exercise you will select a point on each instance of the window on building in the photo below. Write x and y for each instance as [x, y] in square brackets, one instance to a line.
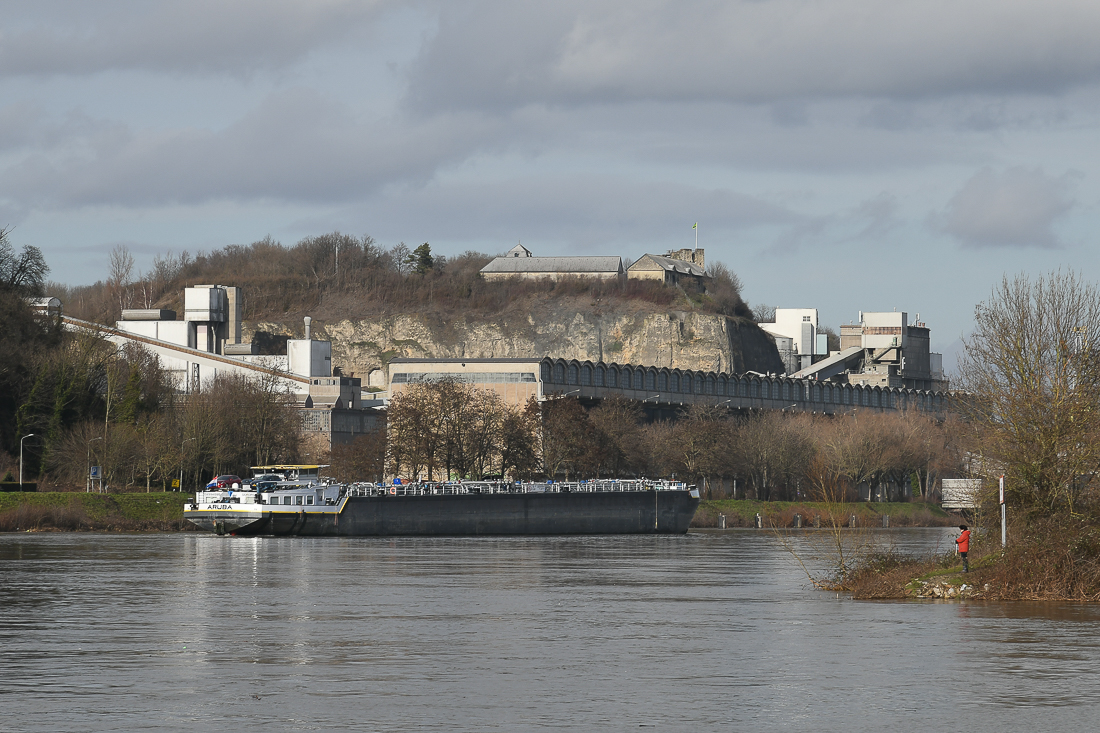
[601, 376]
[586, 375]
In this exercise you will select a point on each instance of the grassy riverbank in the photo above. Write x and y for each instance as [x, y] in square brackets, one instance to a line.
[742, 513]
[63, 511]
[164, 512]
[1046, 559]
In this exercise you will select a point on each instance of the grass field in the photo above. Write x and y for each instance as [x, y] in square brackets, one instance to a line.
[79, 511]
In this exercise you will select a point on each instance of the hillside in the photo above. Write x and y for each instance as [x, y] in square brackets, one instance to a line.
[377, 304]
[634, 333]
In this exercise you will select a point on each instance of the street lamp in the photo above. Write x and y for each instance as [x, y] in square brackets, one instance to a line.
[31, 435]
[88, 480]
[653, 397]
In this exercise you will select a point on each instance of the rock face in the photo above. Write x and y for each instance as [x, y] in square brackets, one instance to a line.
[684, 340]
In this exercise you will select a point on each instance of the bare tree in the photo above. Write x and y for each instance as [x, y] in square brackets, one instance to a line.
[569, 439]
[773, 450]
[364, 459]
[1031, 371]
[23, 273]
[617, 422]
[122, 268]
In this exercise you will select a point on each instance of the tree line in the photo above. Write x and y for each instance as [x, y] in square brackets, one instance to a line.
[446, 429]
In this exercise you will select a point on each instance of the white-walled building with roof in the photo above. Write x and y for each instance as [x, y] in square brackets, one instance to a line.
[519, 262]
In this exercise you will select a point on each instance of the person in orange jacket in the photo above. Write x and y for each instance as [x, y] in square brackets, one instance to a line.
[963, 542]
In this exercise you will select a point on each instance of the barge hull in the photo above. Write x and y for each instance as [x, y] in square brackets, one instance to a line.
[574, 513]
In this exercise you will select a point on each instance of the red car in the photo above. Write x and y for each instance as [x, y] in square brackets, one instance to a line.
[224, 482]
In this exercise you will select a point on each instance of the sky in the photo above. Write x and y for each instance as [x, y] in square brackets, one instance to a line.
[844, 155]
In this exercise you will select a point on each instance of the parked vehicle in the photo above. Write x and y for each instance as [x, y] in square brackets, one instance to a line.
[225, 481]
[263, 482]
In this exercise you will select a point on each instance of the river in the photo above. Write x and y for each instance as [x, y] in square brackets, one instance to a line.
[708, 631]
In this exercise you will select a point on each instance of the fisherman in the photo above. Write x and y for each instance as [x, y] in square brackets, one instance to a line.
[963, 544]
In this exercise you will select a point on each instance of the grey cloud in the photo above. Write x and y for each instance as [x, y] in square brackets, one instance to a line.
[576, 213]
[895, 116]
[878, 215]
[872, 220]
[197, 36]
[1013, 208]
[297, 145]
[502, 55]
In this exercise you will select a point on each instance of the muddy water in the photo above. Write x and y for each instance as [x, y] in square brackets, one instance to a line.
[711, 631]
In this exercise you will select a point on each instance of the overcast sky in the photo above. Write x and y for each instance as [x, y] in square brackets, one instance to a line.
[840, 154]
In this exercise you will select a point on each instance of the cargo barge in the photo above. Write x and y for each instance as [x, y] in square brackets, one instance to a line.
[460, 509]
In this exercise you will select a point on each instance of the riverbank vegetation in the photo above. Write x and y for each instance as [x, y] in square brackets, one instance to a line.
[1032, 415]
[42, 512]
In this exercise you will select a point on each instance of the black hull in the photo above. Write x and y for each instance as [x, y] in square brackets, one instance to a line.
[573, 513]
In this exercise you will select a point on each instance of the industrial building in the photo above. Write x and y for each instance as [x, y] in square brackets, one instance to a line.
[882, 350]
[514, 380]
[207, 343]
[797, 338]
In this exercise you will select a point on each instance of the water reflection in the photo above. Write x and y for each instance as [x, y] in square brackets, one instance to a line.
[195, 632]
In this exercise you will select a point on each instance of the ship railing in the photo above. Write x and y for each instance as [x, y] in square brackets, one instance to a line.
[604, 485]
[429, 488]
[226, 496]
[450, 488]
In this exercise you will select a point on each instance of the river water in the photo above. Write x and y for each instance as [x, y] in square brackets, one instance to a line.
[708, 631]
